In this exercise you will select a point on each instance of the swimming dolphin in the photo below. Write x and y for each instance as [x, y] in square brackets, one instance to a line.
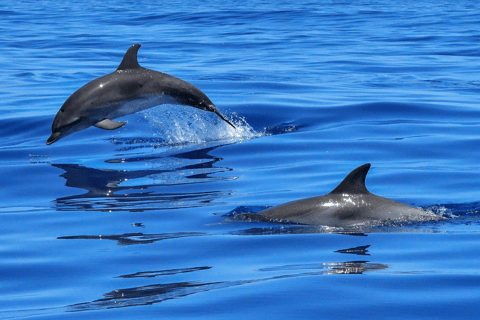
[349, 204]
[131, 88]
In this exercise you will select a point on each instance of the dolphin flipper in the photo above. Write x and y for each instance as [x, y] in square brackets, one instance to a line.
[108, 124]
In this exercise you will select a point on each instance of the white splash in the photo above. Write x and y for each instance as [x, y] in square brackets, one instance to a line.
[178, 124]
[441, 211]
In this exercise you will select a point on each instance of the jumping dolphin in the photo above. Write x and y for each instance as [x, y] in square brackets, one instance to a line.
[349, 204]
[131, 88]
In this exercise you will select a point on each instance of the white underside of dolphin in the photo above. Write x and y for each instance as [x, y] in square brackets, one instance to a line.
[349, 204]
[130, 89]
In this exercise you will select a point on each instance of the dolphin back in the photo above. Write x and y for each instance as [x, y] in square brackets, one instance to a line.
[182, 91]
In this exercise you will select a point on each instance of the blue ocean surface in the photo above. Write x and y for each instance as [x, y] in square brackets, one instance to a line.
[141, 222]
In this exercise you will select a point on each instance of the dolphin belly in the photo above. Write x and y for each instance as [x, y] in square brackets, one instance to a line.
[126, 107]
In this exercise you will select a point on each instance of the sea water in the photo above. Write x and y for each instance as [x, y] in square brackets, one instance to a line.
[139, 223]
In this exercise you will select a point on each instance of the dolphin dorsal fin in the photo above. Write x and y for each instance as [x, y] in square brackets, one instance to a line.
[130, 59]
[354, 183]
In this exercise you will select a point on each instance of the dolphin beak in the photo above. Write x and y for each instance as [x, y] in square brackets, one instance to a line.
[54, 137]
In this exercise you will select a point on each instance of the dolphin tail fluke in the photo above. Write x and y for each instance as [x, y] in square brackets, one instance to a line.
[223, 118]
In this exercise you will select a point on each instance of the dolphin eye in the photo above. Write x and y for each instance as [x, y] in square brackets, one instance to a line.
[62, 110]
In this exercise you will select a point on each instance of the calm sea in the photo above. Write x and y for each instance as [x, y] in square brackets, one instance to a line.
[139, 223]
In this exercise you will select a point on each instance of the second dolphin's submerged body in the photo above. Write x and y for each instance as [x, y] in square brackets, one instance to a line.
[131, 88]
[349, 204]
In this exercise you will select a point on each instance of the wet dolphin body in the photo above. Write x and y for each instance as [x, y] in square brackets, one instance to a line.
[349, 204]
[131, 88]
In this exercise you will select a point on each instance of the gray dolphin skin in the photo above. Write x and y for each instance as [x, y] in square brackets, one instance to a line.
[131, 88]
[349, 204]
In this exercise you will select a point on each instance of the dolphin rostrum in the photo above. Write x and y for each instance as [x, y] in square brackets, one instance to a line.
[131, 88]
[349, 204]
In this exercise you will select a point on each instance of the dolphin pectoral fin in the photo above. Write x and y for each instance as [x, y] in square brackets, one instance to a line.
[108, 124]
[223, 118]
